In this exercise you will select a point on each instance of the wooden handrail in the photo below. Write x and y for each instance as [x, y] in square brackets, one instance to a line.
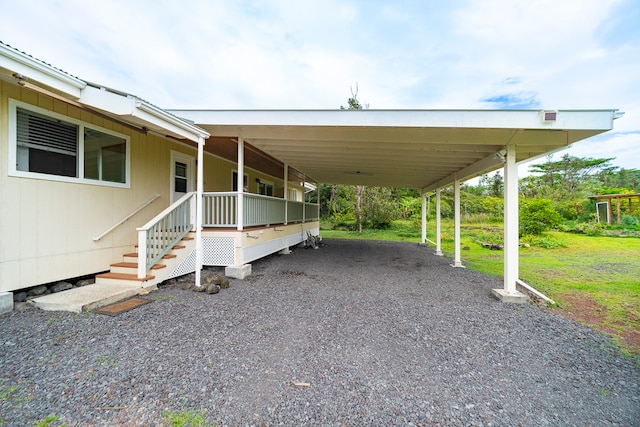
[123, 220]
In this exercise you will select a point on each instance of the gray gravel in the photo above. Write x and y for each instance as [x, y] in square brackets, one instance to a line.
[354, 333]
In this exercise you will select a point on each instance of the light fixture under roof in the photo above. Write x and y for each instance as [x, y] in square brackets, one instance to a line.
[359, 173]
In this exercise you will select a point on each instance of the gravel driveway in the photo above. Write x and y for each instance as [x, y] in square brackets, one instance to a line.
[354, 333]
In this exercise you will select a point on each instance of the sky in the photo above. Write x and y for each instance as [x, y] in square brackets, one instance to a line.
[400, 54]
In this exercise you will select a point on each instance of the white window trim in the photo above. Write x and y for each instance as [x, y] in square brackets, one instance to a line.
[265, 182]
[190, 161]
[13, 171]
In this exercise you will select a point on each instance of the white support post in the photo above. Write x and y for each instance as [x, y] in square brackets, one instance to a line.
[286, 194]
[142, 254]
[304, 198]
[509, 292]
[438, 225]
[457, 262]
[240, 210]
[199, 209]
[424, 218]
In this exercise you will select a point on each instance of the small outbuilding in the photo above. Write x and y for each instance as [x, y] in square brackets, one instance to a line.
[604, 206]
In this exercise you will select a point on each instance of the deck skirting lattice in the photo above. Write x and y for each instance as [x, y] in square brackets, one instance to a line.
[186, 266]
[218, 251]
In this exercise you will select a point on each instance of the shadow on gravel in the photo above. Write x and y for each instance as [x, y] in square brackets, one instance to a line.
[354, 333]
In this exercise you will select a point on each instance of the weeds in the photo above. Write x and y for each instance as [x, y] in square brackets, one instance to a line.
[48, 420]
[185, 419]
[107, 361]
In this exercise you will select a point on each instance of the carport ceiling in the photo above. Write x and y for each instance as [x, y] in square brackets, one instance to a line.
[401, 148]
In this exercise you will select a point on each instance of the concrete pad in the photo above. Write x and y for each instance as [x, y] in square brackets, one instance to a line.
[513, 297]
[86, 297]
[6, 302]
[238, 272]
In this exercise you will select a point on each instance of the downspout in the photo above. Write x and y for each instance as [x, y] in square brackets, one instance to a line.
[199, 208]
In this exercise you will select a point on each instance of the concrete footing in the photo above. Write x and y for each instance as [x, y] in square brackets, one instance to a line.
[6, 302]
[238, 272]
[513, 297]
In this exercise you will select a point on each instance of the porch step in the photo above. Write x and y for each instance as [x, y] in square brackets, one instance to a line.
[174, 247]
[135, 265]
[123, 276]
[131, 267]
[133, 257]
[87, 297]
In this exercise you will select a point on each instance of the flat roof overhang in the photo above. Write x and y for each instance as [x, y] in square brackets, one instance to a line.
[422, 149]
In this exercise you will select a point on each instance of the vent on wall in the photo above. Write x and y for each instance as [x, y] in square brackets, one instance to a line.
[549, 116]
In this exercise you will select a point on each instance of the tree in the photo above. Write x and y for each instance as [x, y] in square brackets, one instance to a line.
[570, 172]
[354, 104]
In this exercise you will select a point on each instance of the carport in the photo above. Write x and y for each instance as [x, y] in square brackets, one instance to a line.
[423, 149]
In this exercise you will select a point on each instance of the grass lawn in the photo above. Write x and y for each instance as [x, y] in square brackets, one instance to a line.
[594, 279]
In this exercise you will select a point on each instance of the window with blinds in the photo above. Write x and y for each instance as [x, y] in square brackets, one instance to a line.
[46, 145]
[56, 146]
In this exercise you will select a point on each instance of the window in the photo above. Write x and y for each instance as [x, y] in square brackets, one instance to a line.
[46, 145]
[52, 146]
[105, 156]
[234, 183]
[180, 177]
[265, 188]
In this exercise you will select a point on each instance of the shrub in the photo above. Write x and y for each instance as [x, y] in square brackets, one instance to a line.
[545, 241]
[537, 215]
[630, 221]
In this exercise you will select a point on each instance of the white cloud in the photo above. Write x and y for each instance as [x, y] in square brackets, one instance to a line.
[307, 54]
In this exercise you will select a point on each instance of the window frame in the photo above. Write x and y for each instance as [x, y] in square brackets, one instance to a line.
[234, 181]
[13, 148]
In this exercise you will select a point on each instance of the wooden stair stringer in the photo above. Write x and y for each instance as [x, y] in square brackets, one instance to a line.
[126, 271]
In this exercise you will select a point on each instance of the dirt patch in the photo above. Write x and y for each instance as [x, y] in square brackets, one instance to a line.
[583, 308]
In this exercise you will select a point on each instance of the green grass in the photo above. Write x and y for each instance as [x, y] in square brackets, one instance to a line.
[185, 419]
[560, 265]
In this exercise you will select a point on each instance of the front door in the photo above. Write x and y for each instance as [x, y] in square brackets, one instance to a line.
[182, 173]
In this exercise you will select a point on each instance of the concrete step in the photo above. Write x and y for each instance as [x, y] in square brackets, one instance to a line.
[87, 297]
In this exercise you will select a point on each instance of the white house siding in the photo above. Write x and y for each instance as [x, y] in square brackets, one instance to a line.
[47, 227]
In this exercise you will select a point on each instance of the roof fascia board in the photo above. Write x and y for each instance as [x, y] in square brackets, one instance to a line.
[476, 119]
[129, 106]
[170, 119]
[36, 71]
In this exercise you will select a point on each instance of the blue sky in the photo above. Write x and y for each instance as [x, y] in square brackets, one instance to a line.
[405, 54]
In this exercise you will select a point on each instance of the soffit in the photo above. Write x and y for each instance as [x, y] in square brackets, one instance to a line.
[400, 148]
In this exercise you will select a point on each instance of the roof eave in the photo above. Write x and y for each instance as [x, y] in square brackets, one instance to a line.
[27, 68]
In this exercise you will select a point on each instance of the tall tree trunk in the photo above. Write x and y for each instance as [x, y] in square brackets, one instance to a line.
[359, 189]
[332, 200]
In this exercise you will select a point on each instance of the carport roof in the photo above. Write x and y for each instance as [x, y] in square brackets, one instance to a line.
[401, 148]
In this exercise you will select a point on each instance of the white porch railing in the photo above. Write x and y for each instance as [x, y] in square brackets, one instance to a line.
[221, 210]
[159, 235]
